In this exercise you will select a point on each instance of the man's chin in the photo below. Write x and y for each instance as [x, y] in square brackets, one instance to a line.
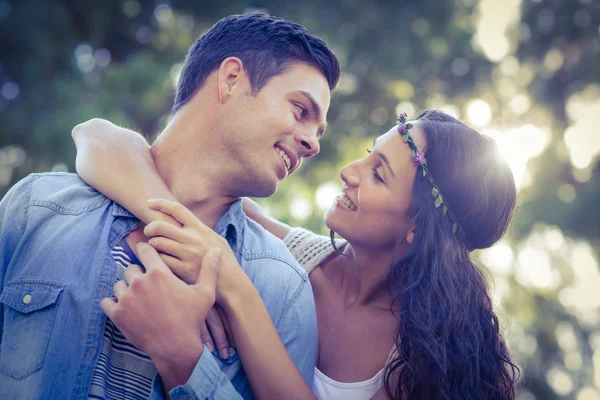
[262, 189]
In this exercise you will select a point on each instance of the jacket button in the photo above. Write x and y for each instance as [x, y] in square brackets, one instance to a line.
[27, 299]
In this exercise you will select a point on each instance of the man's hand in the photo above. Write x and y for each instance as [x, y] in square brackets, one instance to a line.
[162, 315]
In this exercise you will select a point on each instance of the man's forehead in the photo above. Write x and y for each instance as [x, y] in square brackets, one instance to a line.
[302, 77]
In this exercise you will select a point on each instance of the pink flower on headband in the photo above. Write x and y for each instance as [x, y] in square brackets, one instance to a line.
[401, 129]
[418, 159]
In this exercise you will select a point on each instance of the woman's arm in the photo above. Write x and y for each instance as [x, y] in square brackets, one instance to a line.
[117, 162]
[270, 369]
[254, 211]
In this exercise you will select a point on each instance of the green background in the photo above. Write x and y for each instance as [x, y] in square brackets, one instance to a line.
[525, 72]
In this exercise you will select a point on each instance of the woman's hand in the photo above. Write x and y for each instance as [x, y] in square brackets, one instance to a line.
[183, 248]
[217, 330]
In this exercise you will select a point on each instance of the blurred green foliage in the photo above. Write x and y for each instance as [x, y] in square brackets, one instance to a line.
[524, 71]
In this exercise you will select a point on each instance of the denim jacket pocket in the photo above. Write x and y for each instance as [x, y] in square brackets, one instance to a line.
[29, 312]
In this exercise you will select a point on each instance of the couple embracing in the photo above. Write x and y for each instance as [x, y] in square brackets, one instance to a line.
[112, 286]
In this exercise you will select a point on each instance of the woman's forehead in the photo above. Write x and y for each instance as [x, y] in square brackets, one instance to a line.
[397, 151]
[393, 137]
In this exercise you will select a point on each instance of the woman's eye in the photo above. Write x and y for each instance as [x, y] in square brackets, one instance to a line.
[376, 175]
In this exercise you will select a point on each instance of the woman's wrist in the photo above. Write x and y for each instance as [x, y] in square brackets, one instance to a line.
[234, 287]
[152, 216]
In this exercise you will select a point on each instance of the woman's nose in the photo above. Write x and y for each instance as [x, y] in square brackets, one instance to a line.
[349, 175]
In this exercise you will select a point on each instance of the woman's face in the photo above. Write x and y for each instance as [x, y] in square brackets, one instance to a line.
[376, 197]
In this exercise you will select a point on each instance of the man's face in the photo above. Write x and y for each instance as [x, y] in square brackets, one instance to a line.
[267, 135]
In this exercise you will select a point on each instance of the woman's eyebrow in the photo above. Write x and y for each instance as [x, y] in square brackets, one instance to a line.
[385, 160]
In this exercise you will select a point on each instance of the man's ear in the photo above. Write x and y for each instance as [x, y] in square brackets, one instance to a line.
[231, 75]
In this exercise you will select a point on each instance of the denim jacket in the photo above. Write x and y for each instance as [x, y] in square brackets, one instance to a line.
[56, 234]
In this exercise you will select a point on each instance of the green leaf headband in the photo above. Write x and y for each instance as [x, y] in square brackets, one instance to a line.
[420, 160]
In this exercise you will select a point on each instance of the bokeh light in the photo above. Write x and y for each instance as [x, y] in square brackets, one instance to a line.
[581, 136]
[479, 112]
[517, 146]
[494, 22]
[326, 194]
[10, 90]
[560, 380]
[300, 208]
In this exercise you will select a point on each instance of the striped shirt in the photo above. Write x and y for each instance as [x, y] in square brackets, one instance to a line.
[122, 371]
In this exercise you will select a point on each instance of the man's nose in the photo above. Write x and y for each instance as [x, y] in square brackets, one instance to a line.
[309, 143]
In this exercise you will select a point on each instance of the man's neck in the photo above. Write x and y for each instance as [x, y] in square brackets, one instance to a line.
[195, 179]
[193, 173]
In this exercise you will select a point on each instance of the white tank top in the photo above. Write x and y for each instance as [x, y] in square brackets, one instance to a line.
[326, 388]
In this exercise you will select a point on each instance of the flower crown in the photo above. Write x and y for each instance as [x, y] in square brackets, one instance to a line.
[419, 159]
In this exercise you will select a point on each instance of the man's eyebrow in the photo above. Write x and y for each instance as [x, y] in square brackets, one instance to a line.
[316, 109]
[383, 158]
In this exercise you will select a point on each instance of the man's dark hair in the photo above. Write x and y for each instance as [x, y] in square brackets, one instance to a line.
[266, 45]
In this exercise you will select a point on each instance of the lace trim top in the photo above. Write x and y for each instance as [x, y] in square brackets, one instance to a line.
[308, 248]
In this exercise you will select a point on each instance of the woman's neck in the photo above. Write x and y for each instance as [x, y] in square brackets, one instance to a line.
[362, 276]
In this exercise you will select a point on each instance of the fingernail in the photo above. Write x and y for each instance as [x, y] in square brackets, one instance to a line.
[151, 201]
[210, 346]
[224, 354]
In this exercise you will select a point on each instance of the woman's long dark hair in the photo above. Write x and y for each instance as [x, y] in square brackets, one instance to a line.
[448, 339]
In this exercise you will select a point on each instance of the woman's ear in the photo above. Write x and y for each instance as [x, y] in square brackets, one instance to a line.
[410, 236]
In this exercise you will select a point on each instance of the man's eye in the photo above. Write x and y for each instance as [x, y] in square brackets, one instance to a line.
[302, 109]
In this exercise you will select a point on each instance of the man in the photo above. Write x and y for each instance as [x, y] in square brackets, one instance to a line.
[250, 104]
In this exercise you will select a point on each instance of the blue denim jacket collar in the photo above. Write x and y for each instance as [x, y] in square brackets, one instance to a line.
[230, 225]
[118, 211]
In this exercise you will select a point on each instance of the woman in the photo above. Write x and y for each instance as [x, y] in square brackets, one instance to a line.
[411, 211]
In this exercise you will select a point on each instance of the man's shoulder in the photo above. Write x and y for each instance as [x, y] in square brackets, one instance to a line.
[281, 282]
[261, 245]
[65, 193]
